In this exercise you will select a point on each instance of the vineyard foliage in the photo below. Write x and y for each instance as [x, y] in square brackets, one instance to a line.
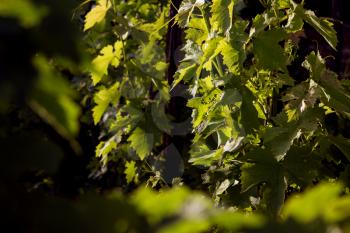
[258, 151]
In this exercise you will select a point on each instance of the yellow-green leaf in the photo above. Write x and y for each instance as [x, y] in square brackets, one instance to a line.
[108, 56]
[97, 14]
[102, 99]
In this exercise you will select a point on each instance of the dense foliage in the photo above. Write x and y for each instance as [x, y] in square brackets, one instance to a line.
[247, 135]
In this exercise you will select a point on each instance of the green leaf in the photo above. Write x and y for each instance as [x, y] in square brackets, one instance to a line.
[185, 73]
[130, 171]
[128, 117]
[295, 23]
[187, 226]
[185, 11]
[342, 143]
[233, 50]
[315, 64]
[322, 26]
[281, 4]
[269, 53]
[155, 29]
[103, 99]
[301, 165]
[300, 98]
[231, 57]
[158, 205]
[104, 148]
[235, 220]
[211, 50]
[222, 187]
[279, 140]
[335, 95]
[262, 167]
[222, 12]
[249, 114]
[160, 118]
[204, 105]
[332, 91]
[28, 13]
[313, 204]
[197, 30]
[201, 156]
[53, 100]
[96, 14]
[142, 142]
[107, 57]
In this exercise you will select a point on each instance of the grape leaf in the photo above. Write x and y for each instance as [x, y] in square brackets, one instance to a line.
[104, 148]
[204, 105]
[262, 167]
[96, 14]
[103, 99]
[269, 53]
[342, 143]
[322, 26]
[197, 30]
[334, 94]
[301, 165]
[211, 50]
[185, 11]
[249, 114]
[315, 64]
[295, 23]
[130, 171]
[107, 57]
[300, 98]
[231, 57]
[202, 155]
[233, 50]
[184, 73]
[142, 142]
[222, 12]
[279, 139]
[281, 4]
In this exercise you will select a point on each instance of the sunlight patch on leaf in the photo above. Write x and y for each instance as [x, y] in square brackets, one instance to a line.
[109, 55]
[96, 14]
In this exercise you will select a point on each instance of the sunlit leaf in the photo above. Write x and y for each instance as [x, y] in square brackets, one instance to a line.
[109, 55]
[130, 171]
[222, 12]
[185, 11]
[142, 142]
[103, 99]
[96, 14]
